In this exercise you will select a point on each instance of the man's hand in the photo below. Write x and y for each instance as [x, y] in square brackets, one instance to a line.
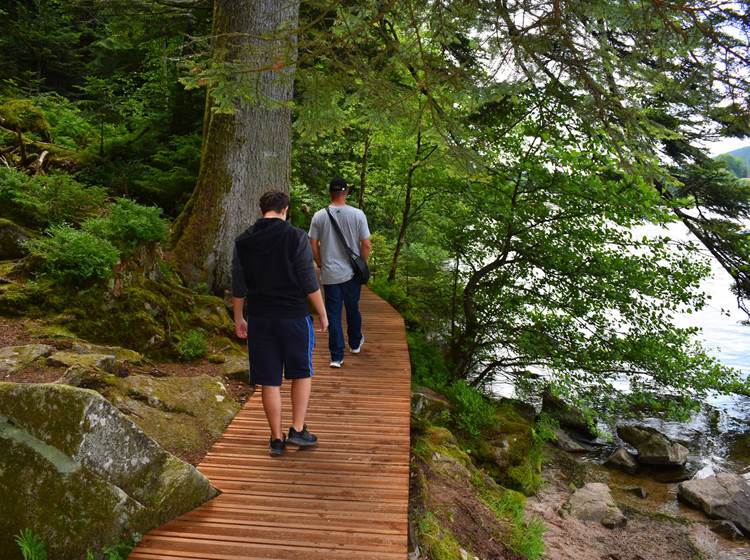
[323, 319]
[240, 328]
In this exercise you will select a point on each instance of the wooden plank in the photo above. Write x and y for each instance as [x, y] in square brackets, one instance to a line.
[346, 498]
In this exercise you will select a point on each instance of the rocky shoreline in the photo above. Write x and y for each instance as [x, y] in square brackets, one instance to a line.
[637, 497]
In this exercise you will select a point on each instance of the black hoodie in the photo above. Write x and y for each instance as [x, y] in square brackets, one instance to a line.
[272, 267]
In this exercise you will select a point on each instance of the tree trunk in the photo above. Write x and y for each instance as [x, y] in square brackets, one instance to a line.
[245, 153]
[363, 172]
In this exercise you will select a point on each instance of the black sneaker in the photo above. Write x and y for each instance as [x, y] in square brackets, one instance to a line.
[303, 438]
[276, 447]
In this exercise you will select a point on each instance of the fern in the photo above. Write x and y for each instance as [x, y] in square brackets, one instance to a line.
[32, 547]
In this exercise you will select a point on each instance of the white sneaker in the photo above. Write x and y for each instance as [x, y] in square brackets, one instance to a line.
[336, 363]
[358, 349]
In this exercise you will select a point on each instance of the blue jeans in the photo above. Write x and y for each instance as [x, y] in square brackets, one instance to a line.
[347, 294]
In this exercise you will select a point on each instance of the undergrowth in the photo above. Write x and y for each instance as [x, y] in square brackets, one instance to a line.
[32, 547]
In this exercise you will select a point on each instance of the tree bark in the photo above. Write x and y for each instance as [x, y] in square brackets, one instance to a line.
[363, 172]
[245, 153]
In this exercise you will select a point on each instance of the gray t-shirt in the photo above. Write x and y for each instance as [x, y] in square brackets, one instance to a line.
[335, 265]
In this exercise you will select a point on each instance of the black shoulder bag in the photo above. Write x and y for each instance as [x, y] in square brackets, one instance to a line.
[361, 270]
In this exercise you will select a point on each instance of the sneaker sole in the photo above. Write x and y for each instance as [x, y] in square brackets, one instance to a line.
[275, 453]
[357, 350]
[302, 442]
[337, 366]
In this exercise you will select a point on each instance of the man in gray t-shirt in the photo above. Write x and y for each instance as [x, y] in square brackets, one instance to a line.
[336, 272]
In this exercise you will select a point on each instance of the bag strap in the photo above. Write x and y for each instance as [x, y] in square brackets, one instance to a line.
[339, 233]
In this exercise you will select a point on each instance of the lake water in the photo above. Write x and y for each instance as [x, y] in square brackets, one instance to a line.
[719, 436]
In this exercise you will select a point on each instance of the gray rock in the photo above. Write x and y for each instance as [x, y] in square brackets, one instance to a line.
[623, 459]
[13, 240]
[654, 448]
[724, 496]
[567, 443]
[565, 414]
[80, 475]
[68, 359]
[122, 356]
[594, 502]
[236, 367]
[427, 404]
[183, 414]
[14, 358]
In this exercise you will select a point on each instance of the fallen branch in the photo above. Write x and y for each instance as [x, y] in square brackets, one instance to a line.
[38, 164]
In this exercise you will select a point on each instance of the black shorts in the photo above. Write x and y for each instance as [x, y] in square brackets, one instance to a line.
[276, 345]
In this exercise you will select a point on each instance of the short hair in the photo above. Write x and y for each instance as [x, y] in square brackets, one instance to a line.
[274, 201]
[338, 184]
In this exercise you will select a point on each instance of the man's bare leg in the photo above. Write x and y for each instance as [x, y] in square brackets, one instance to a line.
[300, 398]
[272, 407]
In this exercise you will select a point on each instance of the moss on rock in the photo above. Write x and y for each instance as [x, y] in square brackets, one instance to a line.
[144, 315]
[183, 414]
[87, 475]
[71, 511]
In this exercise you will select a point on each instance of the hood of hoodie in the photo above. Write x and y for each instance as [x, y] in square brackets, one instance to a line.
[265, 235]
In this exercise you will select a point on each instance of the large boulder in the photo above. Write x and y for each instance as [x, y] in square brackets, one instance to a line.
[723, 496]
[13, 240]
[594, 502]
[14, 358]
[428, 404]
[82, 476]
[566, 415]
[184, 414]
[654, 448]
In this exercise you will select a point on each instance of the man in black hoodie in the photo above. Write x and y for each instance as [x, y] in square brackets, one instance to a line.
[273, 279]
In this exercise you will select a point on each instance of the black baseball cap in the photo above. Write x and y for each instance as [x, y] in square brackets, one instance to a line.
[338, 185]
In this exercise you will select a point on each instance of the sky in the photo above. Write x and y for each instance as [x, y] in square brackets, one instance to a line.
[726, 145]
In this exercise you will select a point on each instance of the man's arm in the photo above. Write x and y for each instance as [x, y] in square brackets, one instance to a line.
[315, 246]
[239, 291]
[240, 325]
[365, 246]
[316, 299]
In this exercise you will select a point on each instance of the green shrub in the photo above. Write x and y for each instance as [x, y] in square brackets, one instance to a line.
[192, 345]
[472, 411]
[32, 547]
[528, 539]
[129, 225]
[73, 255]
[508, 506]
[395, 294]
[68, 125]
[427, 362]
[47, 200]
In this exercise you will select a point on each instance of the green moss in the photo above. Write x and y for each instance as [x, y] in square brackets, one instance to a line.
[22, 114]
[30, 483]
[144, 316]
[43, 329]
[63, 408]
[439, 542]
[440, 440]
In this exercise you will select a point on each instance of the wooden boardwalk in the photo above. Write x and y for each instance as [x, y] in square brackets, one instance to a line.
[345, 499]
